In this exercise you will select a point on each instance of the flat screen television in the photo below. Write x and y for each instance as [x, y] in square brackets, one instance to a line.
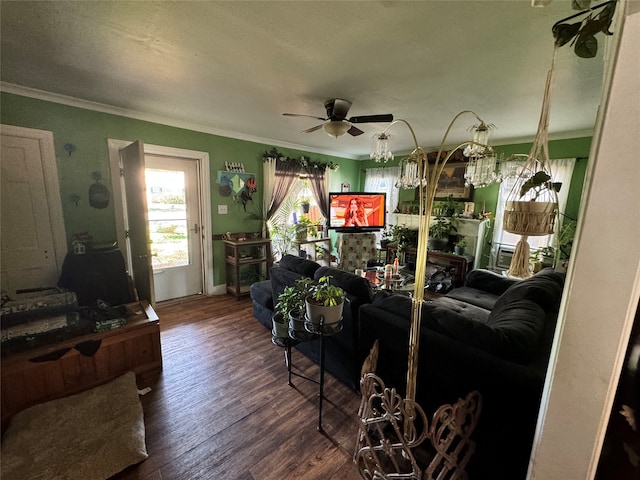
[357, 211]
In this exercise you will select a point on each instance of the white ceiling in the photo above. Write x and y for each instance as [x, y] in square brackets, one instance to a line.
[234, 67]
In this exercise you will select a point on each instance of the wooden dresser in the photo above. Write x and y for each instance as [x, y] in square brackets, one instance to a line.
[56, 370]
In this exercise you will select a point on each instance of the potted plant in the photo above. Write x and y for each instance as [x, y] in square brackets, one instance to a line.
[302, 227]
[439, 232]
[386, 237]
[450, 206]
[324, 304]
[459, 246]
[291, 305]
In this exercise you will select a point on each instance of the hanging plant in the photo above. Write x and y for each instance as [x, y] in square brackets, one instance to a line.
[582, 33]
[538, 182]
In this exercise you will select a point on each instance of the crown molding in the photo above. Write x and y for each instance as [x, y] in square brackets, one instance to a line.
[147, 117]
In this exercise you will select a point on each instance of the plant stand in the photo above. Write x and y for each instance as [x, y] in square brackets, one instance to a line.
[317, 330]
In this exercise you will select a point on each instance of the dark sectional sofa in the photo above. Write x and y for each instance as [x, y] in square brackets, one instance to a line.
[342, 351]
[494, 335]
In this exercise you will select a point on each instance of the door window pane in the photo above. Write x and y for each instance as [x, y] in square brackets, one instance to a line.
[167, 218]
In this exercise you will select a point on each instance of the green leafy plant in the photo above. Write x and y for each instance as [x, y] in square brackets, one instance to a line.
[462, 243]
[326, 294]
[582, 33]
[292, 299]
[539, 182]
[442, 227]
[403, 236]
[450, 206]
[565, 238]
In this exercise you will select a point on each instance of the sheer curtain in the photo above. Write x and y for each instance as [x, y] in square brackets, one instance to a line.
[384, 180]
[561, 170]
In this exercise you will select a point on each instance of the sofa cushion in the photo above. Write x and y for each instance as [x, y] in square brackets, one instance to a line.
[488, 281]
[521, 325]
[461, 307]
[513, 334]
[298, 265]
[282, 278]
[476, 297]
[544, 288]
[351, 283]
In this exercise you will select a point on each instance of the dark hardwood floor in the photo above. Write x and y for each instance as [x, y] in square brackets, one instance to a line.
[221, 407]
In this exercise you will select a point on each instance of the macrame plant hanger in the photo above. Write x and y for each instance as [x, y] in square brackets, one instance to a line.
[532, 204]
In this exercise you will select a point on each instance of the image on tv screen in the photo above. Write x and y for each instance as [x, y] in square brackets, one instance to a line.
[357, 211]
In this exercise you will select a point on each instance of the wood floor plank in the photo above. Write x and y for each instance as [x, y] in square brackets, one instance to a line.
[222, 409]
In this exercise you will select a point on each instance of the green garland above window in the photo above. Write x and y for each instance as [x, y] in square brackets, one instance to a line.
[303, 162]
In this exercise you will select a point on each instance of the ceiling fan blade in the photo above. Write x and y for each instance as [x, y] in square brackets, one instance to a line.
[300, 115]
[354, 131]
[313, 129]
[372, 118]
[337, 108]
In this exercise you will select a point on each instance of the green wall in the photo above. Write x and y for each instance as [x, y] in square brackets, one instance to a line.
[89, 131]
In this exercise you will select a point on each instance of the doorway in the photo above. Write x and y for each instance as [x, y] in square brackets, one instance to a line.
[193, 166]
[174, 226]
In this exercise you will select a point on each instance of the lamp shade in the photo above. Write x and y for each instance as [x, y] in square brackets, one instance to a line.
[336, 128]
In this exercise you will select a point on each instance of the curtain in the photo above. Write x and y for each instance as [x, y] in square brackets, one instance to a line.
[561, 170]
[285, 175]
[269, 179]
[384, 180]
[320, 181]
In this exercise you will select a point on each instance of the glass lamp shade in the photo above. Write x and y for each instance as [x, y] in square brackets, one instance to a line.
[336, 128]
[380, 149]
[481, 134]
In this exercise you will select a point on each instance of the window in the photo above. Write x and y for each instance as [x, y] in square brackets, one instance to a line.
[561, 171]
[384, 180]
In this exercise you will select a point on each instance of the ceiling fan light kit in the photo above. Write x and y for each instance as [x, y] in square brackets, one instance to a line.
[337, 124]
[336, 128]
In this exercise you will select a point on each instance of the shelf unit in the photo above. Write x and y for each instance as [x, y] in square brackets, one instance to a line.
[247, 261]
[309, 247]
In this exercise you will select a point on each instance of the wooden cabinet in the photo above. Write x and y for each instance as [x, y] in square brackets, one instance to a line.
[457, 265]
[247, 261]
[51, 371]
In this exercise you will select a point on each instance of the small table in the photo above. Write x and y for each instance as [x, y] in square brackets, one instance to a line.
[321, 331]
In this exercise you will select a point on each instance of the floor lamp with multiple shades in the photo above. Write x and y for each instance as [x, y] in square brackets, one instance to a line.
[393, 431]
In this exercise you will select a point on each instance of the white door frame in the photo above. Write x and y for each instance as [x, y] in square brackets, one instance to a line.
[52, 187]
[205, 197]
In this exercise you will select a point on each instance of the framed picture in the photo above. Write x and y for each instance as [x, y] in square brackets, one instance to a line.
[452, 181]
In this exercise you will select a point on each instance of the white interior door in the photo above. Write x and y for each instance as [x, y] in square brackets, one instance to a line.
[174, 226]
[32, 228]
[136, 219]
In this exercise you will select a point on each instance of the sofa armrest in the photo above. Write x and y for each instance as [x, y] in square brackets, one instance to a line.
[489, 281]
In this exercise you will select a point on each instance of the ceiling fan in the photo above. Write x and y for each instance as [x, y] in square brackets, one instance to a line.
[337, 124]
